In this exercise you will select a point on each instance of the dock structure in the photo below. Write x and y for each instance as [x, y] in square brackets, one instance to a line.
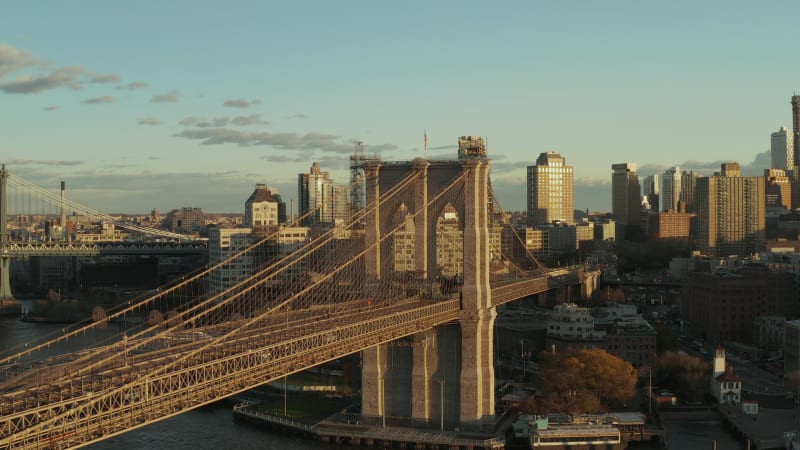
[369, 436]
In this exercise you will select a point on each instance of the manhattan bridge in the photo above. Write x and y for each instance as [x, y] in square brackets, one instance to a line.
[182, 347]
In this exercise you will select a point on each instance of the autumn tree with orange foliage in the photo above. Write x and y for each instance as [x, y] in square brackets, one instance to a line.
[582, 381]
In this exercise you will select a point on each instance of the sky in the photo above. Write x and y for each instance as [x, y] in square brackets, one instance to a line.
[142, 105]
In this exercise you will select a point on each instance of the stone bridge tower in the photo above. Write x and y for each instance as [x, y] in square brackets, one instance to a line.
[443, 377]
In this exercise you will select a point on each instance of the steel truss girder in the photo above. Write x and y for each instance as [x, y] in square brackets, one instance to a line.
[124, 398]
[146, 400]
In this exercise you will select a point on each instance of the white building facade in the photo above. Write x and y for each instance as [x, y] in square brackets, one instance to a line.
[224, 243]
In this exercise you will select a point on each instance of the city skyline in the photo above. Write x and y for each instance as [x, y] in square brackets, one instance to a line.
[138, 108]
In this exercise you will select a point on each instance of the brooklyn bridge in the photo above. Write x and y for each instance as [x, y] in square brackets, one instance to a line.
[341, 292]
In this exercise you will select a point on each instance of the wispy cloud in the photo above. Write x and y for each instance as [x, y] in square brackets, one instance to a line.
[99, 100]
[41, 76]
[217, 122]
[44, 162]
[131, 86]
[118, 166]
[755, 167]
[297, 116]
[12, 59]
[169, 97]
[241, 103]
[51, 108]
[288, 157]
[253, 119]
[30, 84]
[148, 121]
[103, 78]
[289, 141]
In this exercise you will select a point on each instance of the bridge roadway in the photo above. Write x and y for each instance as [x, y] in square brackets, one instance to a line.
[64, 405]
[19, 249]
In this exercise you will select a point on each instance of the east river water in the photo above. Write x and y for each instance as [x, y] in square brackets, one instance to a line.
[212, 427]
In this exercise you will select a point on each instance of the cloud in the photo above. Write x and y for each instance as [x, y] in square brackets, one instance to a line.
[12, 59]
[148, 121]
[103, 78]
[217, 122]
[170, 97]
[98, 100]
[131, 86]
[43, 162]
[297, 116]
[287, 141]
[288, 157]
[51, 108]
[74, 77]
[241, 103]
[27, 84]
[254, 119]
[755, 167]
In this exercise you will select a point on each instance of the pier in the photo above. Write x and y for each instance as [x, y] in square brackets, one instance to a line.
[369, 436]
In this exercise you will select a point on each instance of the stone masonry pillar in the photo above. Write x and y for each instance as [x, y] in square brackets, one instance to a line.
[421, 219]
[477, 314]
[5, 260]
[425, 365]
[372, 233]
[373, 374]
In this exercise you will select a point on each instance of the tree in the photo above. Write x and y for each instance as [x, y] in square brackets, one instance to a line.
[686, 375]
[666, 340]
[583, 381]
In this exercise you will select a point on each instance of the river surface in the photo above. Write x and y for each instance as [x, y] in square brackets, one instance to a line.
[212, 427]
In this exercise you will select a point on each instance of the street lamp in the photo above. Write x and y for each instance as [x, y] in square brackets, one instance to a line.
[522, 345]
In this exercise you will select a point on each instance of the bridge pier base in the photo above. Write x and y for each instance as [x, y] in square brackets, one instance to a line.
[425, 364]
[8, 305]
[5, 280]
[477, 369]
[373, 372]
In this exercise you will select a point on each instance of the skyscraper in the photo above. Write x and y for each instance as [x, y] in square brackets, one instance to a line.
[316, 195]
[551, 190]
[688, 186]
[625, 201]
[796, 129]
[731, 213]
[651, 186]
[671, 189]
[782, 150]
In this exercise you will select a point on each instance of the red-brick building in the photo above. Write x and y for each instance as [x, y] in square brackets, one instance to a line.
[722, 307]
